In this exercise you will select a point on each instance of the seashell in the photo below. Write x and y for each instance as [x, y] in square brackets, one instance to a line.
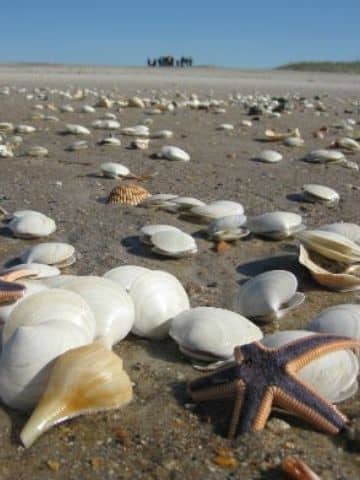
[159, 200]
[22, 128]
[82, 381]
[348, 230]
[104, 102]
[137, 131]
[74, 129]
[158, 296]
[36, 270]
[334, 375]
[162, 134]
[346, 143]
[217, 209]
[130, 194]
[246, 123]
[87, 109]
[6, 152]
[140, 143]
[225, 126]
[269, 156]
[325, 156]
[111, 305]
[14, 141]
[125, 275]
[313, 192]
[174, 153]
[51, 253]
[114, 170]
[148, 231]
[273, 136]
[6, 127]
[32, 225]
[275, 225]
[208, 333]
[330, 245]
[341, 319]
[60, 281]
[37, 151]
[106, 124]
[136, 102]
[110, 141]
[78, 145]
[294, 142]
[228, 228]
[173, 243]
[109, 116]
[341, 281]
[182, 204]
[66, 108]
[50, 118]
[269, 296]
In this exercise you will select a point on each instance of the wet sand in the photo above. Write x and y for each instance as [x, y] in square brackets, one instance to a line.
[160, 435]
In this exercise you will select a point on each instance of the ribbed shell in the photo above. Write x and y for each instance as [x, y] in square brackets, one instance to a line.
[130, 194]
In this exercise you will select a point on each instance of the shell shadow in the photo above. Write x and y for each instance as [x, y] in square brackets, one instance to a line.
[166, 350]
[295, 197]
[6, 232]
[17, 420]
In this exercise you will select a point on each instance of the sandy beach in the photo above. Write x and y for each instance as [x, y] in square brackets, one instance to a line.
[161, 435]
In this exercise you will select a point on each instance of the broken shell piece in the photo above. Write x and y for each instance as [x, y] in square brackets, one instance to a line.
[330, 245]
[173, 243]
[174, 153]
[313, 192]
[225, 126]
[6, 152]
[130, 194]
[342, 281]
[269, 156]
[51, 253]
[84, 380]
[276, 225]
[140, 143]
[269, 295]
[273, 136]
[37, 151]
[208, 333]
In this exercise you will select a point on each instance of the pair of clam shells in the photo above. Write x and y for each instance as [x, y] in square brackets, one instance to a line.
[229, 228]
[313, 192]
[168, 241]
[31, 224]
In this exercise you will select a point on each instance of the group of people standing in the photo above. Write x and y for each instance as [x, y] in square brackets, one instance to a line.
[170, 61]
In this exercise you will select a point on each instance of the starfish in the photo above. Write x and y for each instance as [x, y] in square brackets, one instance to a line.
[260, 377]
[10, 291]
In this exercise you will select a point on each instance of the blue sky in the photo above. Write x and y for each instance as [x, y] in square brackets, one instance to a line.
[248, 34]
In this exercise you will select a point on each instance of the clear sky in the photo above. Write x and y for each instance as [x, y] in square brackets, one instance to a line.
[248, 34]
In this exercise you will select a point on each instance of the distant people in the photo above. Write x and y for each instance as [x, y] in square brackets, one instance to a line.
[170, 61]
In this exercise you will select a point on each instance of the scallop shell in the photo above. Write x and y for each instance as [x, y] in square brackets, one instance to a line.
[334, 375]
[50, 253]
[130, 194]
[209, 333]
[174, 153]
[269, 296]
[269, 156]
[158, 296]
[173, 243]
[83, 380]
[275, 225]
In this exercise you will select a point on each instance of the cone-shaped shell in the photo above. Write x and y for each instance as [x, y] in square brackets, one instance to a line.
[269, 295]
[158, 296]
[84, 380]
[209, 333]
[333, 375]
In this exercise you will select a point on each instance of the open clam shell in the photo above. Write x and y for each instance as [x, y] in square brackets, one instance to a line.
[333, 375]
[269, 296]
[148, 231]
[208, 333]
[228, 228]
[275, 225]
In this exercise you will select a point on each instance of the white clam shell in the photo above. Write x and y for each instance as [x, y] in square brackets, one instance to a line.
[269, 156]
[269, 295]
[347, 229]
[230, 227]
[324, 156]
[217, 209]
[162, 134]
[125, 275]
[137, 131]
[38, 270]
[173, 243]
[209, 333]
[114, 170]
[147, 231]
[275, 225]
[32, 225]
[37, 151]
[341, 319]
[6, 152]
[319, 193]
[50, 253]
[106, 124]
[158, 296]
[87, 109]
[158, 200]
[78, 145]
[294, 142]
[333, 375]
[111, 305]
[110, 141]
[75, 129]
[66, 108]
[174, 153]
[22, 128]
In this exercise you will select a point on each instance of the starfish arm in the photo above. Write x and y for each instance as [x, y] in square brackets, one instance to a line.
[294, 395]
[296, 355]
[256, 409]
[213, 392]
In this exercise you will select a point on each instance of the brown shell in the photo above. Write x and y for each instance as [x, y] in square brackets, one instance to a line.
[129, 194]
